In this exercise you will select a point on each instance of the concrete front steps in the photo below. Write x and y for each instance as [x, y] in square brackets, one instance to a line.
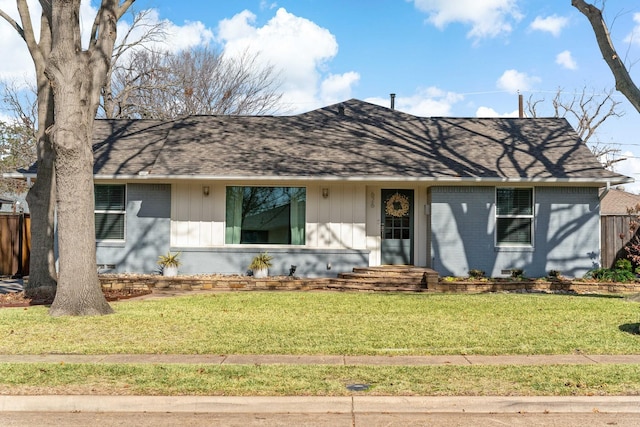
[389, 278]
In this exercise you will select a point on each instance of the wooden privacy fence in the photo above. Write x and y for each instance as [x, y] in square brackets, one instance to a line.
[614, 236]
[15, 244]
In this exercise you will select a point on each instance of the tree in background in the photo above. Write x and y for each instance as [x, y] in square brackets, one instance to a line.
[17, 150]
[585, 111]
[41, 196]
[152, 33]
[624, 83]
[17, 138]
[154, 84]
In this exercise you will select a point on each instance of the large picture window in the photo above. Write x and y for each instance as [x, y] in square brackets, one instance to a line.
[109, 211]
[514, 216]
[265, 215]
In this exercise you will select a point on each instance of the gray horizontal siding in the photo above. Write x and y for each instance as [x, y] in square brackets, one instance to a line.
[566, 232]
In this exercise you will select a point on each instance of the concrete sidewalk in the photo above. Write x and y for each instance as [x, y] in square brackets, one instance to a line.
[260, 359]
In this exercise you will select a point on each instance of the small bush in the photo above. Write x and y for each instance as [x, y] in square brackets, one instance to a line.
[517, 273]
[623, 264]
[556, 274]
[476, 274]
[610, 275]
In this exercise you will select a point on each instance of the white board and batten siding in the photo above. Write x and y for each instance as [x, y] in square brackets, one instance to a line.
[338, 221]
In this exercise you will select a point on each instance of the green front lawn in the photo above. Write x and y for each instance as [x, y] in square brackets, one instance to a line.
[335, 323]
[329, 323]
[296, 380]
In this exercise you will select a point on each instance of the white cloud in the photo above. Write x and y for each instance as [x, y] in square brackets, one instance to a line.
[189, 35]
[488, 18]
[565, 59]
[20, 67]
[429, 102]
[297, 47]
[337, 87]
[264, 4]
[513, 81]
[238, 27]
[634, 35]
[553, 24]
[176, 38]
[490, 112]
[630, 167]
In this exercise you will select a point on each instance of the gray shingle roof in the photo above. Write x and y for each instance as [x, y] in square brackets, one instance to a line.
[616, 202]
[366, 142]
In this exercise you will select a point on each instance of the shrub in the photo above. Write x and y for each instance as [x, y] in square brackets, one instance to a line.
[517, 273]
[610, 275]
[555, 274]
[476, 274]
[623, 264]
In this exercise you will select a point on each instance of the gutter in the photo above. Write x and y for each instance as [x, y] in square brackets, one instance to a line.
[606, 190]
[604, 182]
[440, 180]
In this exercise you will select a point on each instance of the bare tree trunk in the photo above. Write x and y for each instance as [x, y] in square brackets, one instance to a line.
[71, 72]
[79, 291]
[42, 271]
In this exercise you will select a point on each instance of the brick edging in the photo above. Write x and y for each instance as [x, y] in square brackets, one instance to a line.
[247, 283]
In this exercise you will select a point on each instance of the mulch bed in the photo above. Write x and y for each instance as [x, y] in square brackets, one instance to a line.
[18, 299]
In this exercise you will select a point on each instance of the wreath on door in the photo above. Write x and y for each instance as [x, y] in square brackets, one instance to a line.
[397, 205]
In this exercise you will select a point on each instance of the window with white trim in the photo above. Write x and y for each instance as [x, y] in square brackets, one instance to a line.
[514, 216]
[110, 211]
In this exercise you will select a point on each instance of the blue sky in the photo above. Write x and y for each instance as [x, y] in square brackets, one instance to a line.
[463, 58]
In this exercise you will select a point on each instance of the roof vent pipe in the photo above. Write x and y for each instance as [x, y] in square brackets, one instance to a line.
[341, 110]
[393, 101]
[520, 106]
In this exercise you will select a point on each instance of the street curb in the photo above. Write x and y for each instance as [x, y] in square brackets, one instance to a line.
[318, 405]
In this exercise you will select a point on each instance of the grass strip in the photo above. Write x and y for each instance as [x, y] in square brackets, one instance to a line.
[335, 323]
[281, 380]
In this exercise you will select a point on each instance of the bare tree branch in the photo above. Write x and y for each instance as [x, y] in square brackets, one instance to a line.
[586, 112]
[24, 106]
[624, 83]
[13, 23]
[163, 85]
[152, 32]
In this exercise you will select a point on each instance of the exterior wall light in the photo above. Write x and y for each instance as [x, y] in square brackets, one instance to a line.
[205, 190]
[325, 193]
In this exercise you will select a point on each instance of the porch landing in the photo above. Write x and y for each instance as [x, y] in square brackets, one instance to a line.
[389, 278]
